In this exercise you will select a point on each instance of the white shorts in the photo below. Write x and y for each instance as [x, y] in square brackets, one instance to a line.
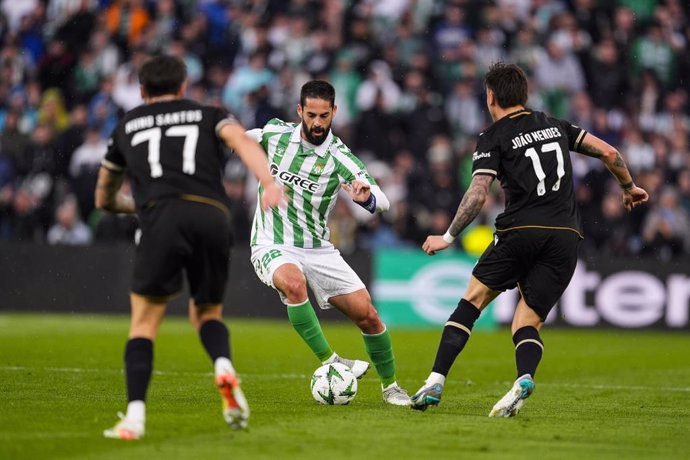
[326, 271]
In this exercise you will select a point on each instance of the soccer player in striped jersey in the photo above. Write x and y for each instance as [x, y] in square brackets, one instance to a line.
[290, 245]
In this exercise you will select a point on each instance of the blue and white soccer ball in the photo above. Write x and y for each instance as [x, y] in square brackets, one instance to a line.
[333, 384]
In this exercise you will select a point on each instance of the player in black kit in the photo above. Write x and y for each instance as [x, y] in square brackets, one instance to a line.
[172, 151]
[537, 235]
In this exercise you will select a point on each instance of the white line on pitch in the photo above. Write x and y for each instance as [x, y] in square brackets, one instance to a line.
[96, 370]
[595, 386]
[296, 376]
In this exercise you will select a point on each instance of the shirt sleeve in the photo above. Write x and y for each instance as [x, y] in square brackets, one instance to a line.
[221, 118]
[486, 159]
[114, 160]
[574, 133]
[382, 203]
[255, 134]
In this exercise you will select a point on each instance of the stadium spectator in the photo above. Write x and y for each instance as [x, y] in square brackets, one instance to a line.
[68, 228]
[378, 82]
[55, 67]
[15, 144]
[666, 230]
[464, 112]
[126, 93]
[652, 51]
[607, 78]
[127, 20]
[559, 75]
[635, 67]
[244, 80]
[83, 168]
[74, 22]
[107, 54]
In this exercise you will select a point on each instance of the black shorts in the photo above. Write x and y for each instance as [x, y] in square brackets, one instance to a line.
[539, 261]
[180, 234]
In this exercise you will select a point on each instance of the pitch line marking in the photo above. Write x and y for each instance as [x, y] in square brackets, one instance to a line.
[95, 370]
[296, 376]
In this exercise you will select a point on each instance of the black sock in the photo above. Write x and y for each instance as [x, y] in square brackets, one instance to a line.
[138, 367]
[455, 335]
[216, 339]
[528, 350]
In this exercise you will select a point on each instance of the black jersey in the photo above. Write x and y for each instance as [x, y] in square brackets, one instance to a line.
[170, 148]
[529, 153]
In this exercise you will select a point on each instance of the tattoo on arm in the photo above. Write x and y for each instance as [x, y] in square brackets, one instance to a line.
[471, 203]
[591, 151]
[618, 162]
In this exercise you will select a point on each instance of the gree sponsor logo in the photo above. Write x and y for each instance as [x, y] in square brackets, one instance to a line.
[288, 178]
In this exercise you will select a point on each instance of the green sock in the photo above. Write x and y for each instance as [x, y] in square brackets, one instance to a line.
[380, 350]
[305, 322]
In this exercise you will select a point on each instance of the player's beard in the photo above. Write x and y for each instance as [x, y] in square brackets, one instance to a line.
[317, 135]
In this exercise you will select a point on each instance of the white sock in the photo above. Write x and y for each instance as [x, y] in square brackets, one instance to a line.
[223, 366]
[394, 384]
[435, 378]
[136, 410]
[330, 360]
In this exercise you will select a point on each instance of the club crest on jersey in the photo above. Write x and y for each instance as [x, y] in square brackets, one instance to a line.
[318, 168]
[288, 178]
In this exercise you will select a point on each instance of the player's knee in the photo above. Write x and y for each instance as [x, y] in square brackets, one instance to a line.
[295, 291]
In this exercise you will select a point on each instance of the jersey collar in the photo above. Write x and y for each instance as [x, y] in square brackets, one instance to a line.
[322, 149]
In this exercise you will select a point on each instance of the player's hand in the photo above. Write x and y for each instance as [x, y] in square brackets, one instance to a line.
[273, 196]
[634, 196]
[434, 243]
[359, 191]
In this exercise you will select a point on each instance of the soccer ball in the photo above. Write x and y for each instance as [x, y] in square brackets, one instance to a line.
[333, 384]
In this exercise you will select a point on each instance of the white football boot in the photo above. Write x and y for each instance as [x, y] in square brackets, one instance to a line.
[395, 395]
[235, 406]
[127, 429]
[357, 367]
[510, 404]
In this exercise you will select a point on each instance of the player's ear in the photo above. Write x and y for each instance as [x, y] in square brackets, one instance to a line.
[183, 90]
[142, 91]
[490, 97]
[335, 109]
[299, 110]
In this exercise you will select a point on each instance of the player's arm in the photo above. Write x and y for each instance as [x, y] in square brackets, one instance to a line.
[470, 205]
[368, 196]
[597, 148]
[108, 195]
[254, 157]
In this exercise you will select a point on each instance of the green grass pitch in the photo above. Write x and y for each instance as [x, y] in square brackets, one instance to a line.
[599, 394]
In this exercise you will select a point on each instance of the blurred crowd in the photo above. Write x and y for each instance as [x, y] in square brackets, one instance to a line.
[408, 76]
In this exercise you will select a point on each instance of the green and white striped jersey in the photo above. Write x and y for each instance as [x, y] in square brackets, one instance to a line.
[311, 178]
